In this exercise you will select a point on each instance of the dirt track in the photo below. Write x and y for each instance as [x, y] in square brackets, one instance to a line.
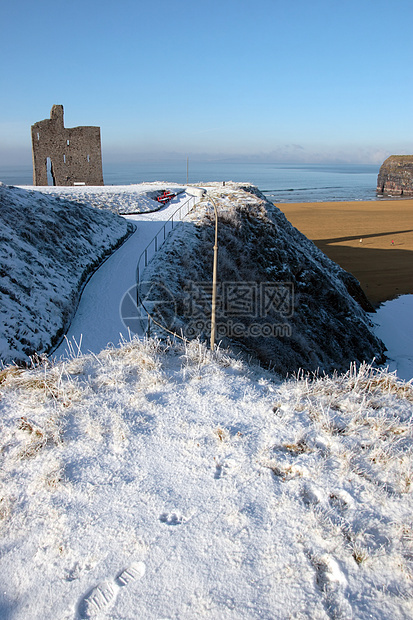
[373, 240]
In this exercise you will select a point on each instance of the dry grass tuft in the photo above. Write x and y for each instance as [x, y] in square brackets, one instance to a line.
[377, 381]
[359, 379]
[5, 508]
[359, 553]
[222, 434]
[10, 371]
[53, 479]
[285, 472]
[37, 437]
[298, 447]
[47, 384]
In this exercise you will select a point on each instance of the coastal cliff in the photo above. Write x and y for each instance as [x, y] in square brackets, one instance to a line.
[396, 176]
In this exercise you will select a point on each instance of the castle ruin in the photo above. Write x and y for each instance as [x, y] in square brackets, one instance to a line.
[71, 156]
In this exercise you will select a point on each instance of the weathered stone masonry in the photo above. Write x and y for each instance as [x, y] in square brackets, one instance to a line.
[396, 176]
[75, 154]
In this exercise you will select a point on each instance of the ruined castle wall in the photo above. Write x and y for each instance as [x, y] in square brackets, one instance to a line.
[75, 154]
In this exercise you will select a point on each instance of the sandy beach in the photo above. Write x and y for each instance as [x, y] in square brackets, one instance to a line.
[373, 240]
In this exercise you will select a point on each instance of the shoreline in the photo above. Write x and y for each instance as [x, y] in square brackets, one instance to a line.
[371, 239]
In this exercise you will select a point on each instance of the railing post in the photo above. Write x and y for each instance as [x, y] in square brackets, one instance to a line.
[184, 208]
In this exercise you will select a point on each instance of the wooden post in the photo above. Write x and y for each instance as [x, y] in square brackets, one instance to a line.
[214, 280]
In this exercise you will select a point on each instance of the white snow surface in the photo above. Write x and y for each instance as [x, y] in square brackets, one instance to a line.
[394, 325]
[156, 481]
[122, 199]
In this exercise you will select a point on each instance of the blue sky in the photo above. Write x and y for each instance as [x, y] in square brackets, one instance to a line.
[271, 80]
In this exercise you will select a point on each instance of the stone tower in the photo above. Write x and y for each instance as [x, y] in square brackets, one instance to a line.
[74, 156]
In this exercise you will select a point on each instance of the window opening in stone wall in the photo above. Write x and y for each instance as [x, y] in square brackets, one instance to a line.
[64, 159]
[38, 136]
[50, 175]
[67, 142]
[88, 158]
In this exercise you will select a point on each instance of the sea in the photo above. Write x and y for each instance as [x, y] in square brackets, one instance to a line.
[281, 183]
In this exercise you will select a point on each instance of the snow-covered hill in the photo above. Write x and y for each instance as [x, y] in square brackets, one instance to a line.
[48, 248]
[280, 299]
[157, 481]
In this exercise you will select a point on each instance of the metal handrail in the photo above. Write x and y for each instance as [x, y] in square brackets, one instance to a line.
[188, 205]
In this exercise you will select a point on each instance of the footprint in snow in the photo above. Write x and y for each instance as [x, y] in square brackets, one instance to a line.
[310, 495]
[99, 600]
[333, 584]
[341, 501]
[102, 597]
[171, 519]
[135, 571]
[220, 470]
[328, 571]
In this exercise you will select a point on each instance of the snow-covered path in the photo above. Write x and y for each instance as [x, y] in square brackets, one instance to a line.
[97, 321]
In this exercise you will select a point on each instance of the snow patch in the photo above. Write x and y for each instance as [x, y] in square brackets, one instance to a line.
[393, 321]
[153, 481]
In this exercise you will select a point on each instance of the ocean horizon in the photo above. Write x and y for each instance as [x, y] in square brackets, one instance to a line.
[279, 182]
